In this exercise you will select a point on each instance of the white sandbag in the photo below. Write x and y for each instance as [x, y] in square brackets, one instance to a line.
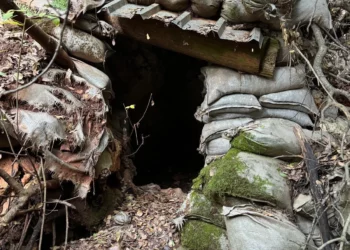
[206, 8]
[81, 44]
[214, 130]
[305, 11]
[251, 228]
[269, 136]
[296, 99]
[301, 118]
[174, 5]
[247, 176]
[236, 103]
[218, 146]
[221, 81]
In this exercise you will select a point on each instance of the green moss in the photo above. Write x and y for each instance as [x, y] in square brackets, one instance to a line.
[227, 179]
[60, 4]
[203, 207]
[246, 142]
[198, 235]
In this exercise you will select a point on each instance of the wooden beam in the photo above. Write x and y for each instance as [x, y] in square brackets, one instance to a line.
[242, 56]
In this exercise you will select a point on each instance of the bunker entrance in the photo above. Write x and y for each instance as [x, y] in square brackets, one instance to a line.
[166, 89]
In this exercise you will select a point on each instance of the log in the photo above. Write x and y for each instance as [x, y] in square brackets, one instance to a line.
[226, 47]
[312, 167]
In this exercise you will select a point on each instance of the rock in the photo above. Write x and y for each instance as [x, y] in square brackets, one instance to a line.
[174, 5]
[206, 8]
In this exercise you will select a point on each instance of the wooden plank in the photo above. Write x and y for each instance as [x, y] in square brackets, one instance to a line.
[242, 56]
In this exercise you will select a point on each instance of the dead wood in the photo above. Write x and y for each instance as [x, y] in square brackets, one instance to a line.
[315, 187]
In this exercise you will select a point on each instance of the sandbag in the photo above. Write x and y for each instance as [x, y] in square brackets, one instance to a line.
[214, 130]
[81, 44]
[252, 228]
[236, 103]
[219, 146]
[198, 206]
[174, 5]
[301, 118]
[234, 11]
[206, 8]
[199, 235]
[244, 175]
[269, 136]
[296, 99]
[221, 81]
[305, 11]
[142, 2]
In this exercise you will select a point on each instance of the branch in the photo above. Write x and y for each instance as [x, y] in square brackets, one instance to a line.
[39, 35]
[315, 186]
[344, 4]
[11, 181]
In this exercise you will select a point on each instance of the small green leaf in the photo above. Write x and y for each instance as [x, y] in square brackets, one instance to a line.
[283, 175]
[8, 15]
[2, 74]
[131, 106]
[56, 21]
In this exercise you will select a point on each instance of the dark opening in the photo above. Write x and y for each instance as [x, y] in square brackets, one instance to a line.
[169, 156]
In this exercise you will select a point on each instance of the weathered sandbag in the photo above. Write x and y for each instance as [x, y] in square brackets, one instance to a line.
[80, 44]
[199, 235]
[301, 118]
[269, 136]
[270, 7]
[244, 175]
[252, 228]
[95, 77]
[218, 146]
[205, 118]
[296, 99]
[221, 81]
[234, 11]
[206, 8]
[305, 11]
[142, 2]
[214, 130]
[174, 5]
[198, 206]
[38, 128]
[236, 103]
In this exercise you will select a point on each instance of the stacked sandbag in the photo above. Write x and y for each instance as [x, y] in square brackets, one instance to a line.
[234, 99]
[290, 13]
[249, 128]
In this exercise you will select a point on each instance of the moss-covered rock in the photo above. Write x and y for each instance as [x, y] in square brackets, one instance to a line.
[244, 175]
[198, 235]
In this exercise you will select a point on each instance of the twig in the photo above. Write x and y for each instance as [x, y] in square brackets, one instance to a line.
[24, 231]
[343, 235]
[50, 63]
[67, 226]
[34, 235]
[44, 203]
[11, 181]
[53, 234]
[63, 203]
